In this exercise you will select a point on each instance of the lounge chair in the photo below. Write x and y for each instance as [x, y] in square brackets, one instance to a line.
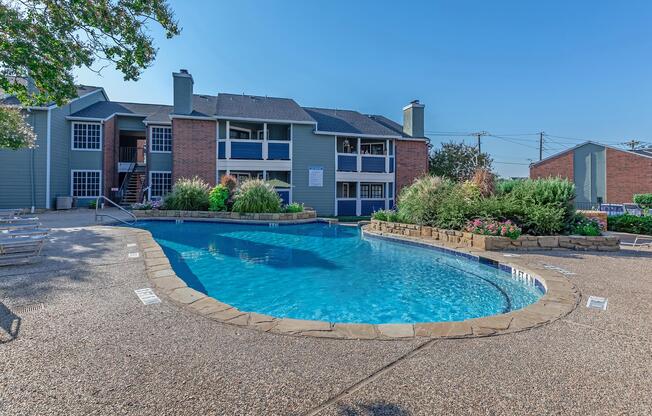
[21, 232]
[26, 225]
[10, 213]
[20, 249]
[639, 242]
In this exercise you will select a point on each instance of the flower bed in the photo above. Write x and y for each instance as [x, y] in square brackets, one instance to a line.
[282, 216]
[496, 243]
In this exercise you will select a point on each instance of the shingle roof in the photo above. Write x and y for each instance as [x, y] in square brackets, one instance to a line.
[644, 152]
[390, 124]
[203, 105]
[347, 122]
[261, 108]
[104, 109]
[6, 99]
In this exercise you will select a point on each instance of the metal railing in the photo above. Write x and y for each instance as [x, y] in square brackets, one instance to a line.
[127, 154]
[98, 215]
[125, 182]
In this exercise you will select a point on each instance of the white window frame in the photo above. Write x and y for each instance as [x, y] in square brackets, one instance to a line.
[72, 183]
[151, 139]
[371, 144]
[72, 136]
[346, 191]
[149, 191]
[240, 129]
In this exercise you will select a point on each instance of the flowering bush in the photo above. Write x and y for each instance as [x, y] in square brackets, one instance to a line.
[141, 206]
[157, 204]
[492, 227]
[583, 225]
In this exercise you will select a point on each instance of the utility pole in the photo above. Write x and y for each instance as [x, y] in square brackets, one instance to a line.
[479, 136]
[541, 133]
[633, 144]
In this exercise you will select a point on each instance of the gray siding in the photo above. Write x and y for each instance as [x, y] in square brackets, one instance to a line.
[63, 158]
[131, 123]
[22, 172]
[159, 161]
[309, 149]
[589, 173]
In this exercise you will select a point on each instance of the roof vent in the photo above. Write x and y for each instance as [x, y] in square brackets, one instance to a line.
[183, 71]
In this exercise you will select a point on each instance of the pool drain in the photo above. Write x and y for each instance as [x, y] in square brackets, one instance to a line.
[29, 308]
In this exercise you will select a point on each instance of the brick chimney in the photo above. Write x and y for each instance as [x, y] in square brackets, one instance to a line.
[183, 84]
[413, 119]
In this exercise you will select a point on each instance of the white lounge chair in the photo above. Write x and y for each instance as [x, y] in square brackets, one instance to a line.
[27, 225]
[17, 220]
[24, 232]
[639, 241]
[20, 249]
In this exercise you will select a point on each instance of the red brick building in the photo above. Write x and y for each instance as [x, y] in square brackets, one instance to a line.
[600, 173]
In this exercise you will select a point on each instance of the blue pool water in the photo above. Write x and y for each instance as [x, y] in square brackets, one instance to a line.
[333, 273]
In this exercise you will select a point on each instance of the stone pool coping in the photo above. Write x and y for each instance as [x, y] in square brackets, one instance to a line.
[560, 298]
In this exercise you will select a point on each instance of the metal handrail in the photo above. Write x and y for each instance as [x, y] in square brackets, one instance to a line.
[97, 206]
[125, 180]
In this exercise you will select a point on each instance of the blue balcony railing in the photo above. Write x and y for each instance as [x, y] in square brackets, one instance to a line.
[346, 163]
[346, 207]
[246, 150]
[369, 206]
[278, 151]
[373, 164]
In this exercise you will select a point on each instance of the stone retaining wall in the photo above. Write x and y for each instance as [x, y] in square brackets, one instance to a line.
[285, 216]
[493, 243]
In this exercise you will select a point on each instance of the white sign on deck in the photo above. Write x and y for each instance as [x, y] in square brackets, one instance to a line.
[597, 302]
[147, 296]
[316, 176]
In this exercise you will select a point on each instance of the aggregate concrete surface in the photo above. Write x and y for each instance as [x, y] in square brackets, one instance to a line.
[76, 340]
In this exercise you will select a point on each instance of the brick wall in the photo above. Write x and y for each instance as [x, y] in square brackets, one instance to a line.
[561, 165]
[193, 149]
[110, 156]
[411, 162]
[627, 174]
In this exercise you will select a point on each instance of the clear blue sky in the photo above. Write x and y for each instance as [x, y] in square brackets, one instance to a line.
[577, 69]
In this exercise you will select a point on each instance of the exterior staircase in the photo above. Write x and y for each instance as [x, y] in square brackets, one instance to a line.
[133, 187]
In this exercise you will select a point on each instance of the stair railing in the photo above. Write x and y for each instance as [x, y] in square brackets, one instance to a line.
[101, 215]
[125, 182]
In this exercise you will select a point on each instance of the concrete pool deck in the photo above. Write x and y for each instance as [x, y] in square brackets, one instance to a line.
[75, 339]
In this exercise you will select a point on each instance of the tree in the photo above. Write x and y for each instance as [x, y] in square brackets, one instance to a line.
[15, 133]
[458, 161]
[45, 40]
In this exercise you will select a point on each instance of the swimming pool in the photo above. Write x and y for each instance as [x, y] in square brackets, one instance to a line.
[333, 273]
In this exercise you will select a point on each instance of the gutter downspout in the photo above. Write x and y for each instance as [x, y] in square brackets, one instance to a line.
[32, 179]
[48, 138]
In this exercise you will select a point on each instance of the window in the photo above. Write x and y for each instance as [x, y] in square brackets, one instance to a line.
[345, 190]
[373, 190]
[372, 148]
[86, 136]
[86, 183]
[235, 133]
[161, 139]
[160, 183]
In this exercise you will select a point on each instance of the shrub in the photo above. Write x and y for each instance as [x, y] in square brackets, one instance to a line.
[628, 223]
[294, 207]
[504, 187]
[217, 198]
[418, 202]
[644, 200]
[256, 196]
[92, 204]
[490, 227]
[543, 220]
[455, 207]
[229, 182]
[380, 215]
[485, 182]
[543, 206]
[141, 206]
[583, 225]
[188, 195]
